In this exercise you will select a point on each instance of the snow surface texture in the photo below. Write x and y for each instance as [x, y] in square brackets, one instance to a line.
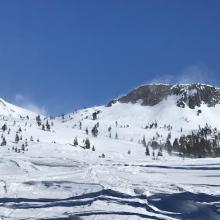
[53, 179]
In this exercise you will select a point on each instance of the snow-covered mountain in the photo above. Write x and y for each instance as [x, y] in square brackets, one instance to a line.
[192, 95]
[118, 161]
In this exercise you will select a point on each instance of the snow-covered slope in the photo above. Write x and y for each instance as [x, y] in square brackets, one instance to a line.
[44, 175]
[10, 110]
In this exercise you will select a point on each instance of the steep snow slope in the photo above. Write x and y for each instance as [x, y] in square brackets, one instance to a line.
[10, 110]
[133, 118]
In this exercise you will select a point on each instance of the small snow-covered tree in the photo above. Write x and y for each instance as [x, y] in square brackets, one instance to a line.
[147, 152]
[95, 131]
[144, 142]
[4, 127]
[17, 138]
[87, 143]
[75, 142]
[48, 126]
[94, 115]
[38, 119]
[43, 127]
[3, 143]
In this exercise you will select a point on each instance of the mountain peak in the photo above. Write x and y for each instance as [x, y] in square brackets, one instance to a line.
[191, 95]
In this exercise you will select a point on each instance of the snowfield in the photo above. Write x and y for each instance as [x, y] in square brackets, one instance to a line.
[53, 179]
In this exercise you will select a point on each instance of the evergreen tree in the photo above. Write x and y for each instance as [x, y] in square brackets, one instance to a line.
[16, 138]
[3, 142]
[22, 147]
[144, 142]
[168, 146]
[94, 116]
[75, 142]
[147, 152]
[43, 127]
[93, 148]
[48, 126]
[94, 131]
[38, 119]
[176, 145]
[4, 127]
[87, 143]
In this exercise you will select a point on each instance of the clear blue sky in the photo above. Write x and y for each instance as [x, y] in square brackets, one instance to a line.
[67, 54]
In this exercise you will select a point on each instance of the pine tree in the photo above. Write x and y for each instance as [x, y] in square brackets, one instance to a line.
[75, 142]
[168, 146]
[22, 147]
[87, 143]
[176, 145]
[147, 152]
[43, 127]
[3, 142]
[95, 131]
[38, 119]
[144, 142]
[93, 148]
[4, 127]
[48, 126]
[16, 138]
[94, 116]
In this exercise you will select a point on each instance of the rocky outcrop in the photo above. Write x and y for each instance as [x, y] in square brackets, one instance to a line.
[191, 95]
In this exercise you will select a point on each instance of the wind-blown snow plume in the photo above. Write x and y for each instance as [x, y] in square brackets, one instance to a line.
[25, 102]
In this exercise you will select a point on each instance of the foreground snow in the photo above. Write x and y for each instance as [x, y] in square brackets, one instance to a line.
[67, 182]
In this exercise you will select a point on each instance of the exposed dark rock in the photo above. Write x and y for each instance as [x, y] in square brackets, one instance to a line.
[191, 95]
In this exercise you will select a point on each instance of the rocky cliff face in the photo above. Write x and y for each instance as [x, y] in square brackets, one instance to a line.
[191, 95]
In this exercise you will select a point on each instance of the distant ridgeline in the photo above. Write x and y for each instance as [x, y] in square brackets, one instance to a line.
[191, 95]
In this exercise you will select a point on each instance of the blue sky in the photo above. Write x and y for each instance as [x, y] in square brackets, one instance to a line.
[58, 55]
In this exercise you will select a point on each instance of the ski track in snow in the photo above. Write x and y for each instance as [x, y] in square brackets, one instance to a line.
[103, 199]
